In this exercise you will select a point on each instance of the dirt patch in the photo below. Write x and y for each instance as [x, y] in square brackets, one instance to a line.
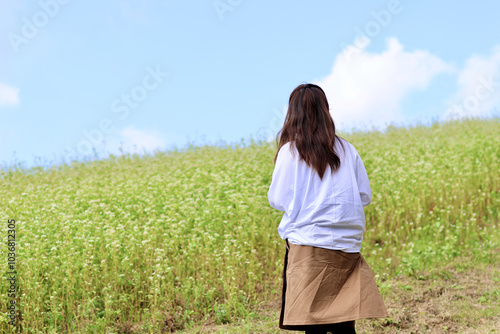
[446, 301]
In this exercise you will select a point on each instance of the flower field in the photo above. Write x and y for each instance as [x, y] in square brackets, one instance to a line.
[160, 242]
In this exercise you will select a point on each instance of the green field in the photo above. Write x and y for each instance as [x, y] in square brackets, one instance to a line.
[175, 240]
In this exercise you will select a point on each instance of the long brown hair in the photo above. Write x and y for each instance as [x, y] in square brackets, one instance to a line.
[309, 126]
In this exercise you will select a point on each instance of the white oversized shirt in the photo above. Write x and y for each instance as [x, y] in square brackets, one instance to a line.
[324, 213]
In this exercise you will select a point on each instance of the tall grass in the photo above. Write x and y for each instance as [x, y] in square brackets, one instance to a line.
[161, 241]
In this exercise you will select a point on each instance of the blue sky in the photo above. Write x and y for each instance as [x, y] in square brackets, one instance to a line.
[144, 75]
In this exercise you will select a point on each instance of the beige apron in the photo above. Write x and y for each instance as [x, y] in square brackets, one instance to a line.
[323, 286]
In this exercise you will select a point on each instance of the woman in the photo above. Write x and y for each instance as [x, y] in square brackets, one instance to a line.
[321, 184]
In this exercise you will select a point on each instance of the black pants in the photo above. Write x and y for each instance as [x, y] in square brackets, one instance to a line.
[340, 328]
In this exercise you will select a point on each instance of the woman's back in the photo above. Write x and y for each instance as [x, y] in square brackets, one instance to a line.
[325, 213]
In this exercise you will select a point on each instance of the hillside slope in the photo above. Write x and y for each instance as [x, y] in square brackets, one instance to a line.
[166, 240]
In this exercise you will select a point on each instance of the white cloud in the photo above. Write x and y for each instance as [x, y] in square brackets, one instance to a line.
[9, 96]
[132, 140]
[367, 89]
[479, 87]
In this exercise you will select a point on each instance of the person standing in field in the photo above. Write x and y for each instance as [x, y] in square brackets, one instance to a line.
[321, 184]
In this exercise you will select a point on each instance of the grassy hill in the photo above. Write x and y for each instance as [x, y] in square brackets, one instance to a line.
[165, 241]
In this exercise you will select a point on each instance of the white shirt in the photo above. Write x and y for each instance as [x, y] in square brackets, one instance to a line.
[324, 213]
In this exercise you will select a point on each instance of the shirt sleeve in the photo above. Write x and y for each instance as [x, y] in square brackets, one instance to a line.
[363, 183]
[281, 190]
